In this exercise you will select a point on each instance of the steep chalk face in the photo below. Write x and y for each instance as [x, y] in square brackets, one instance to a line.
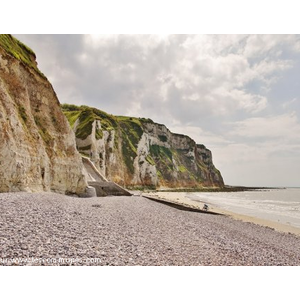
[38, 149]
[138, 152]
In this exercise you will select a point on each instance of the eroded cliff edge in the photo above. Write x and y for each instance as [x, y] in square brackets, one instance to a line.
[38, 149]
[137, 152]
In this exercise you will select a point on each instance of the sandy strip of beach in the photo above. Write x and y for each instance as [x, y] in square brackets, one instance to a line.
[182, 198]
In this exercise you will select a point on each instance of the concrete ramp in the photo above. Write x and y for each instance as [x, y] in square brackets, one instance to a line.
[102, 186]
[93, 173]
[108, 188]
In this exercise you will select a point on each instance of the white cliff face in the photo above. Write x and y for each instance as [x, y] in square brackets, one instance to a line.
[179, 161]
[145, 173]
[38, 149]
[101, 151]
[150, 156]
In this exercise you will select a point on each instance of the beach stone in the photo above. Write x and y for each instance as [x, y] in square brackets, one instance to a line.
[134, 231]
[24, 247]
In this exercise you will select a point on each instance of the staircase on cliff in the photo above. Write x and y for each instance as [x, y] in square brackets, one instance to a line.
[102, 186]
[93, 173]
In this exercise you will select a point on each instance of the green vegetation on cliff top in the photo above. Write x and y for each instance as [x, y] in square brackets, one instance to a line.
[130, 129]
[20, 51]
[130, 126]
[128, 132]
[87, 116]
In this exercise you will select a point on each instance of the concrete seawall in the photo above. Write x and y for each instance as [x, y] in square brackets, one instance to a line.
[108, 188]
[102, 186]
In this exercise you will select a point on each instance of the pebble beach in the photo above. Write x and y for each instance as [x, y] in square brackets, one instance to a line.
[53, 229]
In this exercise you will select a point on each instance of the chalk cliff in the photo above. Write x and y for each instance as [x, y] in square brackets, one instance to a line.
[137, 152]
[38, 149]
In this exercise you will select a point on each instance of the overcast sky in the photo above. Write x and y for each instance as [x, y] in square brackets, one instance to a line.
[237, 94]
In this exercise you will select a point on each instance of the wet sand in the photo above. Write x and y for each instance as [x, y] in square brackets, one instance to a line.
[182, 198]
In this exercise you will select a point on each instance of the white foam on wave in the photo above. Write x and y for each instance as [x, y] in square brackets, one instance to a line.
[281, 206]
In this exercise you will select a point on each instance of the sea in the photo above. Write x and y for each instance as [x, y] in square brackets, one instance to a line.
[277, 205]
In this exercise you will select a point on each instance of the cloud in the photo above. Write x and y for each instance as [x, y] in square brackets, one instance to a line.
[230, 92]
[203, 74]
[290, 103]
[284, 126]
[261, 44]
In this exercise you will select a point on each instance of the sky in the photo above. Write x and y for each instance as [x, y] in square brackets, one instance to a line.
[239, 95]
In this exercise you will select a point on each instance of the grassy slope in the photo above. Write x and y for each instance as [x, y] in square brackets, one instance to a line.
[130, 130]
[87, 116]
[20, 51]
